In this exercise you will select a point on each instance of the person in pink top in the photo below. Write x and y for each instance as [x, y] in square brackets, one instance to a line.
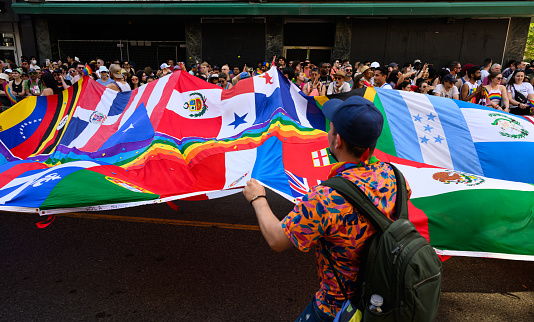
[314, 87]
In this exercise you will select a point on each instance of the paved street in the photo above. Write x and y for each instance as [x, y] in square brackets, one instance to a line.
[119, 266]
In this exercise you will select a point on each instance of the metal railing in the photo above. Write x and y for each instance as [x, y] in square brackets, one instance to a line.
[142, 52]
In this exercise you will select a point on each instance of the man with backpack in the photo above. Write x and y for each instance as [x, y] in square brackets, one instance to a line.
[325, 219]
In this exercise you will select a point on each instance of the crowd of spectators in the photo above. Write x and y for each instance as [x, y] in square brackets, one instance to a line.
[508, 89]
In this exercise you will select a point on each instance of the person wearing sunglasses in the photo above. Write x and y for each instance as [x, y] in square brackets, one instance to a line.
[128, 67]
[324, 72]
[61, 83]
[79, 73]
[496, 96]
[70, 74]
[223, 81]
[339, 85]
[33, 86]
[455, 68]
[494, 68]
[348, 72]
[104, 76]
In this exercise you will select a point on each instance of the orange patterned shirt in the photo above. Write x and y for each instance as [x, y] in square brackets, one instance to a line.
[324, 213]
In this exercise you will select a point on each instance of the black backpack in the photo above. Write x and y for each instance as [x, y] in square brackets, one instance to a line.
[398, 263]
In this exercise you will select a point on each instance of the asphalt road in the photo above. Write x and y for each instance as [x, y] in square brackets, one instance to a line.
[187, 266]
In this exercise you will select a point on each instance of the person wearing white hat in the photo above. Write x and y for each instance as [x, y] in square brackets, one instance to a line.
[104, 76]
[118, 84]
[375, 65]
[4, 79]
[9, 72]
[165, 69]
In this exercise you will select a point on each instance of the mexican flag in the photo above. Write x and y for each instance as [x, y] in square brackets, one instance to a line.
[463, 214]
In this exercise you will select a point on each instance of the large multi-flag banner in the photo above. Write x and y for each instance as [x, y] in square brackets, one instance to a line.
[179, 137]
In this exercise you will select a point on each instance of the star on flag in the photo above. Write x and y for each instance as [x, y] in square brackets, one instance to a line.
[238, 120]
[267, 77]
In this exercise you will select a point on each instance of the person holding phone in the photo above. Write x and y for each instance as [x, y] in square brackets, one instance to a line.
[314, 87]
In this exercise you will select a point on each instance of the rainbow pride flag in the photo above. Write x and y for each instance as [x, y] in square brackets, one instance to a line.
[87, 70]
[9, 93]
[92, 149]
[175, 138]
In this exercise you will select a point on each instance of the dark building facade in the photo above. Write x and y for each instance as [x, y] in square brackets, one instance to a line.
[239, 32]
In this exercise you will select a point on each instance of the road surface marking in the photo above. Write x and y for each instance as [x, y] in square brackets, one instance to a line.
[161, 221]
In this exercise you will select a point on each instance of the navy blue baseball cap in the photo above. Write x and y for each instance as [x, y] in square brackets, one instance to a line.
[356, 120]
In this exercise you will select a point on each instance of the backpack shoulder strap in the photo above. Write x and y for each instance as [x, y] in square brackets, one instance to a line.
[353, 194]
[401, 202]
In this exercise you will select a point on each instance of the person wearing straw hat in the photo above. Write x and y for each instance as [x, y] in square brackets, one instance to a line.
[339, 85]
[118, 84]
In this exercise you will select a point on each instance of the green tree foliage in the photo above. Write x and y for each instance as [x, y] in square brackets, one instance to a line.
[529, 49]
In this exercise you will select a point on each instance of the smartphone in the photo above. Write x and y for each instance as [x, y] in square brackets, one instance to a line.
[47, 62]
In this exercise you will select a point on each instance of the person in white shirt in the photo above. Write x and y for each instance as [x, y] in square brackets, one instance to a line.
[381, 73]
[339, 85]
[517, 85]
[447, 89]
